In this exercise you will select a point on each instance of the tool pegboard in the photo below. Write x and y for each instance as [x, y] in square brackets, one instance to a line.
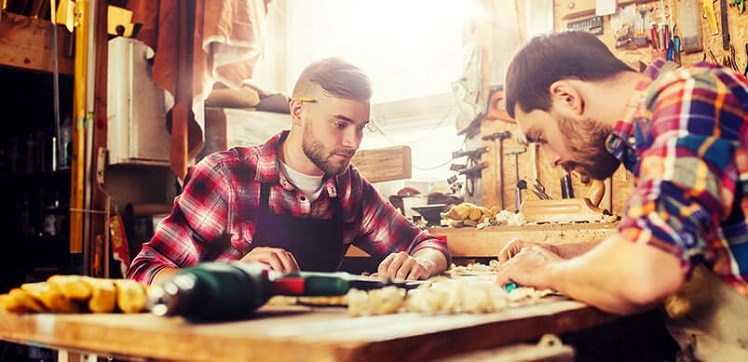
[593, 25]
[570, 11]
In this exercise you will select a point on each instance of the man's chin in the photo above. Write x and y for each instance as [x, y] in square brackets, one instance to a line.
[337, 169]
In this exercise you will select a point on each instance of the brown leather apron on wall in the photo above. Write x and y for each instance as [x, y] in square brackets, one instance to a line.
[316, 244]
[716, 326]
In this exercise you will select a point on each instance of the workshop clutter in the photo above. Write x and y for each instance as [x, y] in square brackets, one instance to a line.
[76, 294]
[470, 215]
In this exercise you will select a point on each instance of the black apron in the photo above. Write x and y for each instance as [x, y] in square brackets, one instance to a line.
[316, 244]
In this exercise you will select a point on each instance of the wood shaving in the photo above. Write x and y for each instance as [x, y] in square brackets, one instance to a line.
[473, 269]
[446, 296]
[510, 218]
[387, 300]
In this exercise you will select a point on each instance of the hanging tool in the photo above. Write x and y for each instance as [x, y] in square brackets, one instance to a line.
[567, 190]
[521, 184]
[711, 18]
[472, 169]
[733, 63]
[499, 138]
[725, 30]
[535, 186]
[676, 49]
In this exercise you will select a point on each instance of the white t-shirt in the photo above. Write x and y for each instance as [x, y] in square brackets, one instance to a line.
[309, 185]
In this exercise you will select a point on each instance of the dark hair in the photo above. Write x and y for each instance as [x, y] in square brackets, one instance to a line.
[548, 58]
[337, 77]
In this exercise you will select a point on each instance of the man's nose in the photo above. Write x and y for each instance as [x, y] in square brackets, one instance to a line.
[352, 137]
[551, 156]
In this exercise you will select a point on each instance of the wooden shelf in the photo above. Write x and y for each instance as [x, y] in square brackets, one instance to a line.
[26, 43]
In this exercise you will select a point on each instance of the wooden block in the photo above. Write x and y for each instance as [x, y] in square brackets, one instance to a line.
[26, 43]
[561, 211]
[384, 164]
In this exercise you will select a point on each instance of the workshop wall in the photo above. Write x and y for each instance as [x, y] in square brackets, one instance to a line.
[676, 12]
[619, 32]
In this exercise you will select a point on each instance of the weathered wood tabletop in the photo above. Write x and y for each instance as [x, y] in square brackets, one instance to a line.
[300, 333]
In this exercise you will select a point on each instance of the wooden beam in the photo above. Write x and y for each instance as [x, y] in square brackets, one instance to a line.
[26, 43]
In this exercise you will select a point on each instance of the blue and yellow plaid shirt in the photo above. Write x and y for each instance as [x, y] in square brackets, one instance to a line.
[685, 138]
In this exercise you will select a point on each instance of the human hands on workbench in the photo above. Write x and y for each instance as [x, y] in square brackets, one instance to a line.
[513, 247]
[276, 258]
[531, 267]
[403, 266]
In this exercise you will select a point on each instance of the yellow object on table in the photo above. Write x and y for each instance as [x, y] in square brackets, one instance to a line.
[76, 294]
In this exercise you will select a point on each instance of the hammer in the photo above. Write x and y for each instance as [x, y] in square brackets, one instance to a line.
[521, 184]
[499, 137]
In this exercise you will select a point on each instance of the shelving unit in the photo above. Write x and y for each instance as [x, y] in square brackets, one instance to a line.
[31, 191]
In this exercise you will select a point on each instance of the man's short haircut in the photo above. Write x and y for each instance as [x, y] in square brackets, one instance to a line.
[337, 77]
[548, 58]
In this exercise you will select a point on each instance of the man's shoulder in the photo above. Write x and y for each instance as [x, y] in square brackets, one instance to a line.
[234, 159]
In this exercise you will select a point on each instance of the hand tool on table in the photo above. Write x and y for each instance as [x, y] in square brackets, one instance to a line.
[499, 138]
[230, 291]
[521, 184]
[745, 71]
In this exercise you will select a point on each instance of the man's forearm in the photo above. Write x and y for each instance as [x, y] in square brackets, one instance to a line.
[619, 276]
[434, 257]
[571, 250]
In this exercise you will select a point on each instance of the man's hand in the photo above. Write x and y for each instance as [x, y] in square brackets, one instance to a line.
[276, 258]
[402, 266]
[513, 247]
[531, 267]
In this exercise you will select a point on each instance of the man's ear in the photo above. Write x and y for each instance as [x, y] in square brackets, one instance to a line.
[566, 96]
[295, 108]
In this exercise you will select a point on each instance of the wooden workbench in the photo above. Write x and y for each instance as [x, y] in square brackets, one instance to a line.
[300, 333]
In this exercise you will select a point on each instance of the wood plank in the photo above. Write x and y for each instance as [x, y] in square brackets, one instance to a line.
[286, 333]
[475, 243]
[26, 43]
[384, 164]
[471, 242]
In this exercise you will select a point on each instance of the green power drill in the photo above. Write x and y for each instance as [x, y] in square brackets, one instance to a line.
[215, 291]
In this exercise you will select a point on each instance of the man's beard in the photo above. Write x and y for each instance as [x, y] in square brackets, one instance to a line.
[315, 151]
[586, 141]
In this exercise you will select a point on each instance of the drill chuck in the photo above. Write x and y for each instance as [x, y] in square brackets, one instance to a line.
[213, 292]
